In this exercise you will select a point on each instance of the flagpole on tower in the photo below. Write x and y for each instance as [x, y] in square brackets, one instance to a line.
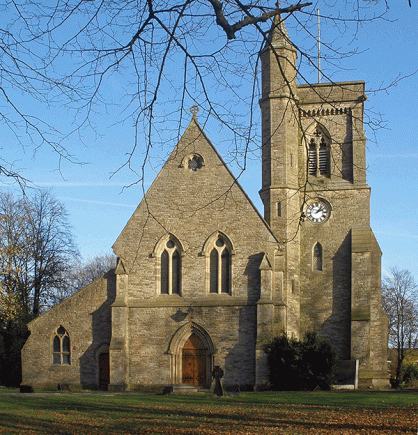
[319, 48]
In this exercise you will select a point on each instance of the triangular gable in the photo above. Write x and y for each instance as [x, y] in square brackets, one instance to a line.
[181, 190]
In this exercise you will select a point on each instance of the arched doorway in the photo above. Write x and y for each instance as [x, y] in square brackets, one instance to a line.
[104, 372]
[194, 357]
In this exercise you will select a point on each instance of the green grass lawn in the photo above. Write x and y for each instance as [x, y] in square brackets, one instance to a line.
[390, 412]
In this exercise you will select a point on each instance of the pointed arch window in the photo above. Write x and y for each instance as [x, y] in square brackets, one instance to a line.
[319, 154]
[317, 257]
[218, 250]
[170, 279]
[61, 353]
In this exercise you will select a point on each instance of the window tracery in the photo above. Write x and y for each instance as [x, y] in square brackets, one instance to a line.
[170, 262]
[193, 162]
[168, 253]
[319, 153]
[218, 250]
[61, 353]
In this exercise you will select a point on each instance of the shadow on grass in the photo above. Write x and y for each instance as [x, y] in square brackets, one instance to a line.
[192, 415]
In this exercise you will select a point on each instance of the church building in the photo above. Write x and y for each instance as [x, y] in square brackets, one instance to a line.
[204, 280]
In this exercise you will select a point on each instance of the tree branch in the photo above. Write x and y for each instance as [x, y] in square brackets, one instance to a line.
[230, 30]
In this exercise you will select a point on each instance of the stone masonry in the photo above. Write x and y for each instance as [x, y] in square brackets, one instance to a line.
[203, 279]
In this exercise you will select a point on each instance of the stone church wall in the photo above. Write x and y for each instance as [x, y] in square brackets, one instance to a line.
[86, 318]
[193, 206]
[232, 331]
[326, 294]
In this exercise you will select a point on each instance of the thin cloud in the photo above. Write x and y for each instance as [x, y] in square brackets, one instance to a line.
[91, 201]
[79, 184]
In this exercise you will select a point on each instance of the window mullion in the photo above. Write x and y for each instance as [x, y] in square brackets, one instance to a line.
[219, 272]
[170, 272]
[318, 172]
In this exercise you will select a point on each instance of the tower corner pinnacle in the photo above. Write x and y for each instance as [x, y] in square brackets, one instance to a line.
[278, 35]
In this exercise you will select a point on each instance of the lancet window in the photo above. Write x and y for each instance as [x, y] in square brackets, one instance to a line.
[218, 251]
[171, 268]
[61, 353]
[168, 254]
[317, 257]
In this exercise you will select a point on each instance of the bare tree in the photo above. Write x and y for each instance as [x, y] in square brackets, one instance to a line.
[36, 249]
[84, 273]
[92, 269]
[36, 246]
[400, 302]
[12, 252]
[148, 62]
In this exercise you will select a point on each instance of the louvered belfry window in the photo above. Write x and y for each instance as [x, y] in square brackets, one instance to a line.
[318, 155]
[312, 159]
[323, 158]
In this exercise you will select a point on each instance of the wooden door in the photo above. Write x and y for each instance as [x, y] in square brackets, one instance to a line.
[104, 371]
[194, 362]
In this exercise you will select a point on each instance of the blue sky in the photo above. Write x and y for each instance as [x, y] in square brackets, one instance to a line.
[100, 205]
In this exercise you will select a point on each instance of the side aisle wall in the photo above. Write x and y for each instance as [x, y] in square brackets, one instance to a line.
[86, 318]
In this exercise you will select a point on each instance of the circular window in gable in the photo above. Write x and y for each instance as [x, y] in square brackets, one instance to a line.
[193, 162]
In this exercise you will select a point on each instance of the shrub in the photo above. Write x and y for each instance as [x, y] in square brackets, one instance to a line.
[283, 357]
[409, 374]
[300, 365]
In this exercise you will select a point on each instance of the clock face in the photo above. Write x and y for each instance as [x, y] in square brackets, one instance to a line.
[317, 212]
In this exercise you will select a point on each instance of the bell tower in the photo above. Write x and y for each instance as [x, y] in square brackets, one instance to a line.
[280, 187]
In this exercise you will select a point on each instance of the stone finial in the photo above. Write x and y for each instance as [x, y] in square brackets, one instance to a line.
[278, 33]
[195, 110]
